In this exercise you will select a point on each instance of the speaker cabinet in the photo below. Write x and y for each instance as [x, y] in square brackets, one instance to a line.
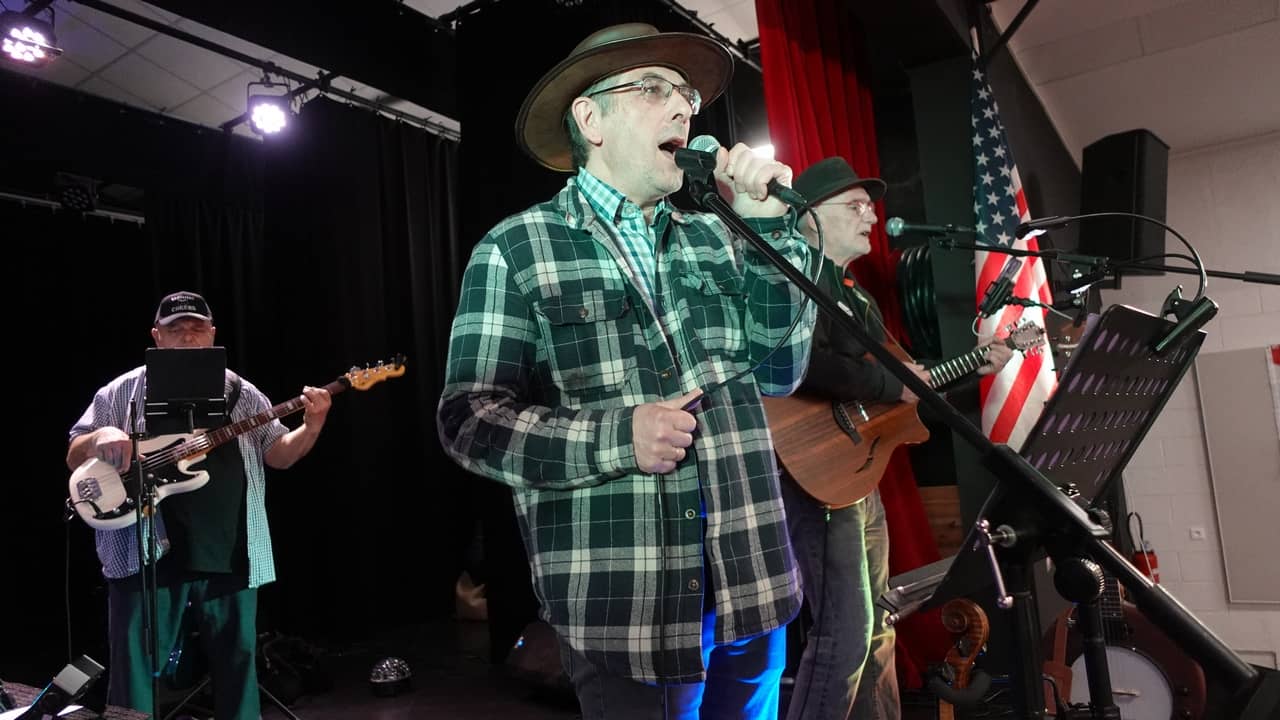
[1125, 172]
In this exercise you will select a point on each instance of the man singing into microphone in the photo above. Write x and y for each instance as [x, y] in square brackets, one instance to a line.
[846, 670]
[586, 329]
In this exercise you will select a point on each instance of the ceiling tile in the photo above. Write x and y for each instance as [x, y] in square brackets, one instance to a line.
[234, 92]
[1218, 95]
[122, 31]
[1192, 22]
[1082, 52]
[197, 66]
[736, 20]
[229, 41]
[206, 110]
[158, 87]
[1056, 19]
[89, 48]
[103, 88]
[146, 10]
[62, 71]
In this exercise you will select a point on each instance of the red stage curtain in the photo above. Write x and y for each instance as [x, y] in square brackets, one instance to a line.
[819, 104]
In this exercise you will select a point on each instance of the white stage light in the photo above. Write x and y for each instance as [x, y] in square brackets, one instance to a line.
[26, 40]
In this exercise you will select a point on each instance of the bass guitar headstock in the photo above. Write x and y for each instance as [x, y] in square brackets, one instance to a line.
[368, 376]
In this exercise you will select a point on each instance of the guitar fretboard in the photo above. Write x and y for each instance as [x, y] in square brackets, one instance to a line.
[957, 367]
[204, 442]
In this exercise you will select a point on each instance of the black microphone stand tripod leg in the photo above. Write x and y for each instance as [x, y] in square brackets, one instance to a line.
[278, 703]
[186, 699]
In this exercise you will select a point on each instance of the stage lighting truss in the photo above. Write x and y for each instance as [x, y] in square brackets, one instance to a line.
[27, 41]
[269, 107]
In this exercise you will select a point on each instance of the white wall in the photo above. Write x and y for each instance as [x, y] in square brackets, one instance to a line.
[1226, 201]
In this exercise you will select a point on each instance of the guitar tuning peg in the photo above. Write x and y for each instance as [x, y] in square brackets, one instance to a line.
[354, 369]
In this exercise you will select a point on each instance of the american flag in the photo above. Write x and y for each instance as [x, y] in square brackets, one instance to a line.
[1011, 400]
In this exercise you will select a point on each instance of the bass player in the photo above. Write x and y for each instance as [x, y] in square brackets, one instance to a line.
[214, 544]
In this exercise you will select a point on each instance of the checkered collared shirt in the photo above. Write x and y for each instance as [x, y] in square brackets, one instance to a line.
[638, 238]
[117, 549]
[552, 349]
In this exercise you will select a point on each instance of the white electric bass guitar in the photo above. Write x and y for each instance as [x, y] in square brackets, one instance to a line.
[107, 502]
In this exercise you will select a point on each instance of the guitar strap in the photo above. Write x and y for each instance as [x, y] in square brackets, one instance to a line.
[233, 397]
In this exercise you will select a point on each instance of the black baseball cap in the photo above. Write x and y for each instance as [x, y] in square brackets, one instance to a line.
[182, 304]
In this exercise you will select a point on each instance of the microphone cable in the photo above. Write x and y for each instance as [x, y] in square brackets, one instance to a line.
[814, 271]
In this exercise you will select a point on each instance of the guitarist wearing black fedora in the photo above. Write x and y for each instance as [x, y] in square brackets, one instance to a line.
[847, 666]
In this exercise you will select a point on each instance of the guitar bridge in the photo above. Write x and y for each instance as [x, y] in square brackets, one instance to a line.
[841, 415]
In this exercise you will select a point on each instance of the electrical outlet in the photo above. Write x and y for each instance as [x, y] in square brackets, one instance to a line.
[1197, 532]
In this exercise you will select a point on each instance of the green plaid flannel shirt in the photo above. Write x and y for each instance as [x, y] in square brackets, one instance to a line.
[551, 350]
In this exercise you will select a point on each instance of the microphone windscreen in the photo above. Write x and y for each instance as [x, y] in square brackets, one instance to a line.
[704, 143]
[894, 226]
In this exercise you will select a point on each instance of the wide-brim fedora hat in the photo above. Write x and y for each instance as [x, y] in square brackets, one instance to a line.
[833, 175]
[540, 131]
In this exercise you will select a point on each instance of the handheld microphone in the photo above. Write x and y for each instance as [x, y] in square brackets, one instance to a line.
[700, 158]
[896, 226]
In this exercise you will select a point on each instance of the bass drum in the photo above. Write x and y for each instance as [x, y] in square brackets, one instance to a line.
[1138, 686]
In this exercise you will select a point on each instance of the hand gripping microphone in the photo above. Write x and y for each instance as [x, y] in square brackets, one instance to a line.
[700, 157]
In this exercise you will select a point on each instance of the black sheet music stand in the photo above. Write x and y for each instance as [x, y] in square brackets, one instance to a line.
[1107, 399]
[185, 389]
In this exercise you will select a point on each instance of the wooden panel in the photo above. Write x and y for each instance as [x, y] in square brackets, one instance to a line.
[942, 506]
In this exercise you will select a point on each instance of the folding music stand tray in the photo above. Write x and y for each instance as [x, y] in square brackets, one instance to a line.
[1107, 399]
[185, 389]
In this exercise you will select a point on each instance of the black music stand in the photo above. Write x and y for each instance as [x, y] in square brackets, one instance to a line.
[185, 390]
[1107, 399]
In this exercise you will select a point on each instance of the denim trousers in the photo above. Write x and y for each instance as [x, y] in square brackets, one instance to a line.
[846, 670]
[742, 683]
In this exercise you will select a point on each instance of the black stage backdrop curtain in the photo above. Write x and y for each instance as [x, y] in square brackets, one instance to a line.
[363, 262]
[336, 246]
[503, 49]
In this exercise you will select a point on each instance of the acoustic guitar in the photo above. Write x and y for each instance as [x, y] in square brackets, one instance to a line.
[838, 451]
[105, 501]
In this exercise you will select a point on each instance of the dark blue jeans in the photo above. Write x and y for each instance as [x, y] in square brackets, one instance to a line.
[846, 670]
[742, 682]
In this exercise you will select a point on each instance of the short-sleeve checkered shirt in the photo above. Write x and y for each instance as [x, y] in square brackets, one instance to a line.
[117, 549]
[553, 347]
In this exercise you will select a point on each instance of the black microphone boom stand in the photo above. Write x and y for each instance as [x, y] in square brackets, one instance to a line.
[144, 507]
[1040, 504]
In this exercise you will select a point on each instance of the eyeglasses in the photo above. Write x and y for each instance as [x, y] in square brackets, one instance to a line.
[859, 207]
[657, 89]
